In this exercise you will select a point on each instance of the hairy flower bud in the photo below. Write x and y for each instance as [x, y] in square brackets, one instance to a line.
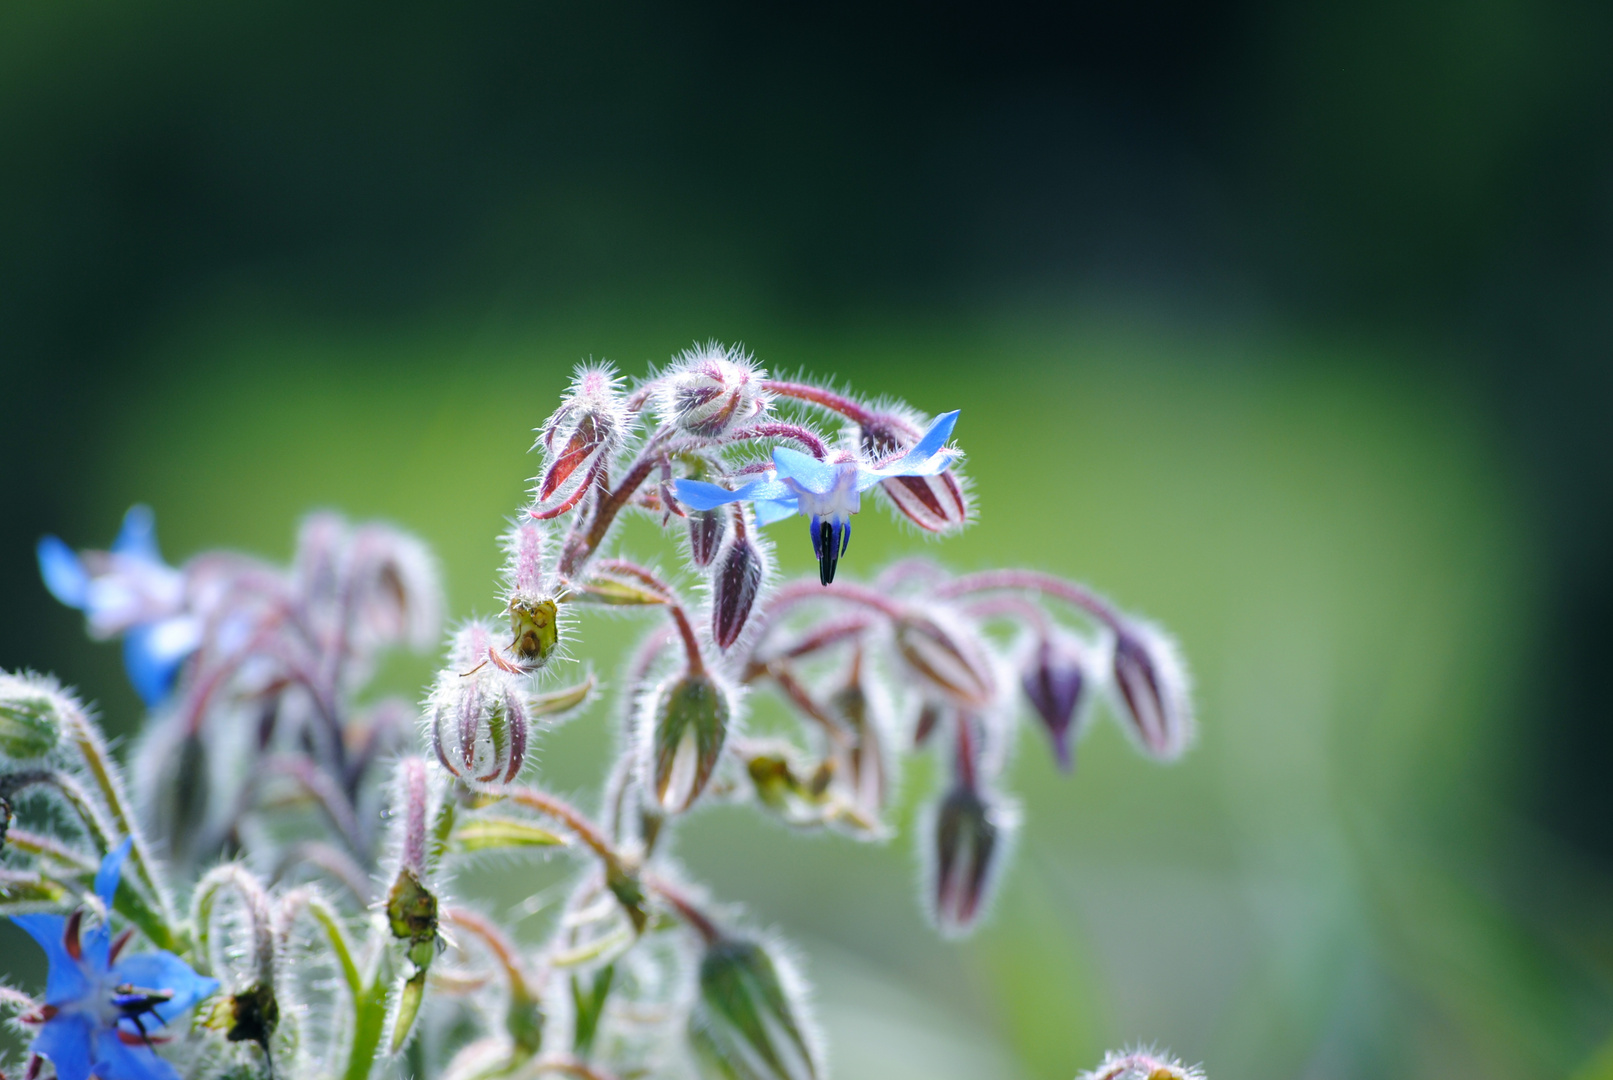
[1152, 688]
[1141, 1065]
[1055, 681]
[687, 726]
[747, 1023]
[938, 503]
[706, 531]
[972, 828]
[861, 758]
[945, 655]
[478, 713]
[31, 716]
[739, 576]
[578, 440]
[534, 629]
[396, 594]
[710, 390]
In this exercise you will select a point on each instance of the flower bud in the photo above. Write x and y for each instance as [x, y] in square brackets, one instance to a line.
[1055, 682]
[396, 593]
[478, 713]
[577, 441]
[534, 629]
[971, 832]
[1152, 687]
[706, 531]
[861, 759]
[711, 390]
[687, 726]
[1140, 1065]
[946, 655]
[938, 503]
[740, 573]
[747, 1022]
[31, 710]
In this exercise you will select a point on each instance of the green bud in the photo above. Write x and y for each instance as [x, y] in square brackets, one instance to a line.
[30, 717]
[524, 1022]
[745, 1026]
[588, 1001]
[411, 909]
[689, 725]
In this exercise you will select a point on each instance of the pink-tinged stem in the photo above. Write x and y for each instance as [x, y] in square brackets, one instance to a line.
[778, 429]
[1009, 606]
[806, 589]
[1035, 582]
[686, 909]
[691, 643]
[580, 545]
[502, 948]
[414, 831]
[557, 808]
[816, 395]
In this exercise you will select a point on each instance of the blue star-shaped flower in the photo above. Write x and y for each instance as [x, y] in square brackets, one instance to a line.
[99, 1010]
[826, 492]
[130, 591]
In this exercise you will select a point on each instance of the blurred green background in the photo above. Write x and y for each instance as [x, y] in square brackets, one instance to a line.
[1288, 325]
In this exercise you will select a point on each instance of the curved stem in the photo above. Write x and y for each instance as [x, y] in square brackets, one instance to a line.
[817, 395]
[780, 429]
[686, 909]
[502, 948]
[1035, 582]
[575, 820]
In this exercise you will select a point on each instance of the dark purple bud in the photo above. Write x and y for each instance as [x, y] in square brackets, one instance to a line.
[1152, 686]
[706, 531]
[1055, 680]
[945, 655]
[929, 719]
[972, 830]
[739, 576]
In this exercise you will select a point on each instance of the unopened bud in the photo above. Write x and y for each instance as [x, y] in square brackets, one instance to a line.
[1139, 1065]
[31, 716]
[971, 832]
[577, 441]
[748, 1021]
[945, 654]
[862, 757]
[534, 629]
[938, 503]
[711, 390]
[478, 715]
[1152, 687]
[706, 531]
[396, 591]
[1055, 682]
[739, 576]
[525, 544]
[688, 724]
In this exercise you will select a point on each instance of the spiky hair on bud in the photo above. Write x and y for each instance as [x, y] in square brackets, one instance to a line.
[1152, 690]
[936, 505]
[965, 838]
[1142, 1065]
[579, 439]
[711, 389]
[477, 712]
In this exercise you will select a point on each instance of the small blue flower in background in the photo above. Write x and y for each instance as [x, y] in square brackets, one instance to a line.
[99, 1010]
[130, 591]
[826, 492]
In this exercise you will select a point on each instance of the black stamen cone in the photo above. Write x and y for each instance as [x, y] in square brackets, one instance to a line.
[828, 552]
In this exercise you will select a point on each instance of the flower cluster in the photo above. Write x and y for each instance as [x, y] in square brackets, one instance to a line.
[318, 837]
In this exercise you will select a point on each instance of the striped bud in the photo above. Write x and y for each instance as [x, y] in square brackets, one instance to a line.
[949, 659]
[478, 712]
[577, 441]
[688, 724]
[1055, 682]
[31, 716]
[1140, 1065]
[747, 1022]
[706, 531]
[711, 390]
[738, 578]
[971, 832]
[938, 503]
[861, 759]
[1151, 686]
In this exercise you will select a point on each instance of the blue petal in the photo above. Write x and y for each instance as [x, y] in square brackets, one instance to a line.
[807, 471]
[153, 652]
[138, 537]
[699, 495]
[63, 572]
[66, 981]
[771, 510]
[165, 971]
[116, 1061]
[66, 1039]
[106, 878]
[934, 437]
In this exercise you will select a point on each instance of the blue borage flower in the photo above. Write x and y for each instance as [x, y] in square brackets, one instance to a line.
[99, 1010]
[130, 591]
[826, 492]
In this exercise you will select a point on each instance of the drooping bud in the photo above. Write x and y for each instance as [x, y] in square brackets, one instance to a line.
[687, 726]
[740, 573]
[861, 759]
[1141, 1065]
[749, 1020]
[578, 440]
[706, 531]
[938, 503]
[31, 716]
[971, 832]
[396, 592]
[478, 712]
[710, 390]
[946, 655]
[1055, 681]
[1152, 689]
